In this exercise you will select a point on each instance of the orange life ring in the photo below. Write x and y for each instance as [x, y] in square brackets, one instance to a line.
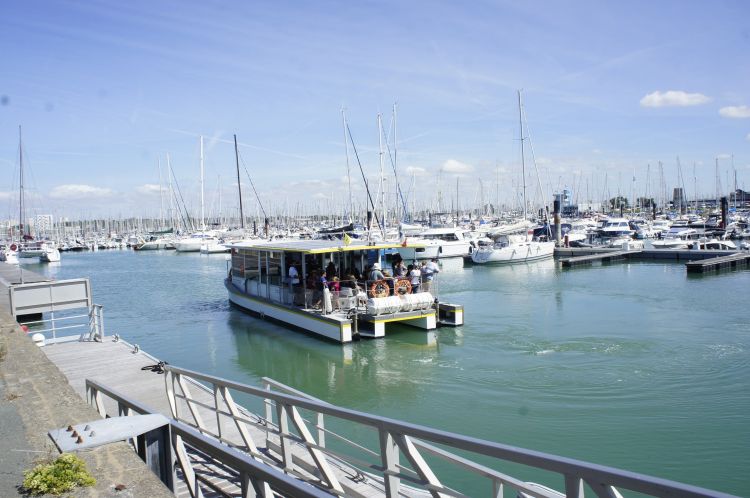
[379, 288]
[402, 286]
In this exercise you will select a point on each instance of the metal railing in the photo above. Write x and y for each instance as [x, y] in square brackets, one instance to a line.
[194, 451]
[88, 326]
[289, 440]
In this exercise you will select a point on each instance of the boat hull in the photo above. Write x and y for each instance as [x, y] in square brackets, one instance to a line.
[526, 253]
[335, 330]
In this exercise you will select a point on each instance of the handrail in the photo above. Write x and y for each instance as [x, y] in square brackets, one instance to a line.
[399, 434]
[250, 471]
[93, 325]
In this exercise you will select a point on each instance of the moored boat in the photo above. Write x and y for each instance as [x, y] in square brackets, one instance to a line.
[341, 308]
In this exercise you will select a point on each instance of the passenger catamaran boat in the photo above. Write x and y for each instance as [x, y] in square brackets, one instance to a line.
[258, 283]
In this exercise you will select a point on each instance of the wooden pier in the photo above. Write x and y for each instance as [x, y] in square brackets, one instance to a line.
[696, 261]
[604, 257]
[731, 261]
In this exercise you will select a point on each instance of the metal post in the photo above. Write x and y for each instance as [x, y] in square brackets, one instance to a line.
[100, 322]
[558, 228]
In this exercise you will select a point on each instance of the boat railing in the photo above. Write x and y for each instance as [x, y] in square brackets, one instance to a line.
[401, 456]
[66, 327]
[203, 460]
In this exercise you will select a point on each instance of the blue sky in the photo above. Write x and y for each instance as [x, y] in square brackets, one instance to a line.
[105, 89]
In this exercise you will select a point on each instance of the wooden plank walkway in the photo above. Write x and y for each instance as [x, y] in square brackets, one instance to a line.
[604, 257]
[731, 261]
[118, 366]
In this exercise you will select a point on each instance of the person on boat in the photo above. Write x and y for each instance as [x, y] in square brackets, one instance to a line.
[428, 274]
[415, 276]
[293, 279]
[399, 268]
[375, 273]
[330, 270]
[320, 284]
[390, 280]
[334, 285]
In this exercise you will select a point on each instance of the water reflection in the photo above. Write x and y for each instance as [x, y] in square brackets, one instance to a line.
[365, 371]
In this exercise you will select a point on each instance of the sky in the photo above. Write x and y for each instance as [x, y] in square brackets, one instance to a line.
[104, 91]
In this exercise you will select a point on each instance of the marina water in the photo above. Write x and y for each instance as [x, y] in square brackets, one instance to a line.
[634, 365]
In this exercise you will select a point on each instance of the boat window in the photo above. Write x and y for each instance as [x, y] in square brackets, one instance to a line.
[245, 264]
[274, 268]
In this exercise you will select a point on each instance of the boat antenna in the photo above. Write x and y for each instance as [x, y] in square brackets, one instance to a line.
[239, 188]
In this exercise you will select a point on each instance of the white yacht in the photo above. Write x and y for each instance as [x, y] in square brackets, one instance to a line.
[155, 243]
[214, 247]
[194, 242]
[714, 244]
[436, 243]
[513, 249]
[46, 251]
[616, 228]
[9, 254]
[678, 237]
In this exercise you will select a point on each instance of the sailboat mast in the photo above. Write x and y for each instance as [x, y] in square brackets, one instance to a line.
[203, 209]
[239, 188]
[382, 177]
[348, 172]
[171, 192]
[523, 164]
[161, 195]
[395, 166]
[21, 227]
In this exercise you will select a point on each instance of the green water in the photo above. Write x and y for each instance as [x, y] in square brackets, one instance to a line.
[633, 365]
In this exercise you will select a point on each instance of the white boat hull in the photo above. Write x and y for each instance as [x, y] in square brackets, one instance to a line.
[428, 250]
[515, 253]
[335, 330]
[669, 244]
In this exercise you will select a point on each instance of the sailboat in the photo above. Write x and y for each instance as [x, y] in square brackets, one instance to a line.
[9, 253]
[195, 241]
[510, 248]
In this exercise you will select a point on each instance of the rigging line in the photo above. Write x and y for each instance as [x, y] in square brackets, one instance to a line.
[533, 155]
[189, 221]
[536, 169]
[367, 187]
[395, 174]
[257, 197]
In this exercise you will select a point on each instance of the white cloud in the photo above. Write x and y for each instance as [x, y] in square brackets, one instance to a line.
[149, 188]
[79, 192]
[9, 195]
[737, 111]
[320, 196]
[724, 156]
[453, 166]
[748, 137]
[673, 98]
[416, 171]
